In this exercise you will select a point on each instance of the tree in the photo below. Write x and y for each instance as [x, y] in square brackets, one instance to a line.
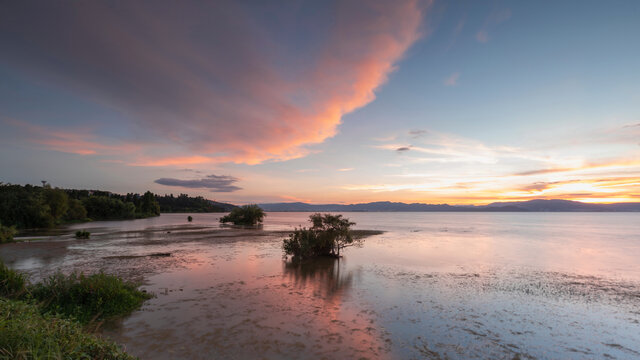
[58, 202]
[328, 235]
[149, 205]
[334, 230]
[106, 208]
[76, 211]
[245, 215]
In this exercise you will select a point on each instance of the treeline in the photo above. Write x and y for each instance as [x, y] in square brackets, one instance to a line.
[183, 203]
[28, 206]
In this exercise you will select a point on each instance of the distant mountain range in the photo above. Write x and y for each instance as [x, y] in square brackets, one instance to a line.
[521, 206]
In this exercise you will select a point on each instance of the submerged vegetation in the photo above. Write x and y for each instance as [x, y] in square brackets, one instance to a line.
[46, 320]
[82, 234]
[327, 236]
[245, 215]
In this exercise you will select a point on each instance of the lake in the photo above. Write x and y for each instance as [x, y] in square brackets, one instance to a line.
[433, 285]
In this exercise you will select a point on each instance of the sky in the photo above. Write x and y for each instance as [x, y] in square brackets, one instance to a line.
[459, 102]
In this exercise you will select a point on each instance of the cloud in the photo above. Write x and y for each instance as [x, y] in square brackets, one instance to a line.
[172, 161]
[215, 183]
[456, 32]
[73, 141]
[482, 36]
[221, 84]
[403, 148]
[452, 80]
[345, 169]
[493, 20]
[417, 133]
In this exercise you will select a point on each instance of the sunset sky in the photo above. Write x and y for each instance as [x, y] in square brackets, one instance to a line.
[324, 102]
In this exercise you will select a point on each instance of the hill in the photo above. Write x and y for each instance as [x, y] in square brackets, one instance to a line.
[513, 206]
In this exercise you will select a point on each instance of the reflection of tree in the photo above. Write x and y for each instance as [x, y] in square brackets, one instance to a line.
[325, 275]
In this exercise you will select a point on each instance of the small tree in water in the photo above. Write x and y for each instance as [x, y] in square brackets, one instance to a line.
[327, 237]
[245, 215]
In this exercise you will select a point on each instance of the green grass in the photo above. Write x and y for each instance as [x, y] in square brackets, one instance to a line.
[27, 334]
[12, 283]
[87, 298]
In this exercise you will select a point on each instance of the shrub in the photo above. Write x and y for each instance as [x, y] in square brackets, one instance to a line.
[245, 215]
[26, 334]
[189, 218]
[81, 234]
[327, 237]
[12, 283]
[7, 233]
[87, 298]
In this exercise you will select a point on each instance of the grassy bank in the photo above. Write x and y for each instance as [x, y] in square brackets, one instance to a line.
[87, 298]
[27, 334]
[49, 320]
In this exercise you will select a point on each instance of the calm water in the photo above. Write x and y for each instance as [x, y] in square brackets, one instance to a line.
[434, 285]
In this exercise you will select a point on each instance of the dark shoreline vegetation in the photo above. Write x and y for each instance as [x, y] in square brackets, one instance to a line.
[40, 207]
[54, 318]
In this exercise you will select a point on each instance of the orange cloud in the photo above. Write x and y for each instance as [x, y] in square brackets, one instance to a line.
[81, 142]
[173, 161]
[221, 93]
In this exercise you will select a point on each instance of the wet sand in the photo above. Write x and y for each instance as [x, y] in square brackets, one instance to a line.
[228, 293]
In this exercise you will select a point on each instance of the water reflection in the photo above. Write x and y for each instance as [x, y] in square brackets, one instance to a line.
[328, 276]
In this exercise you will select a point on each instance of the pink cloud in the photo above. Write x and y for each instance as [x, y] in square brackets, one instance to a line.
[493, 20]
[73, 141]
[452, 80]
[482, 36]
[216, 86]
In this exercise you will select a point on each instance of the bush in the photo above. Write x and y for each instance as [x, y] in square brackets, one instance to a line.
[189, 218]
[81, 234]
[26, 334]
[12, 283]
[7, 233]
[87, 298]
[245, 215]
[327, 237]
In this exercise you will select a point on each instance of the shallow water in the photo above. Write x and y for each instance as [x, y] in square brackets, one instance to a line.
[434, 285]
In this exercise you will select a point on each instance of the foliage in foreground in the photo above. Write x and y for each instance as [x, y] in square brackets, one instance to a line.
[26, 334]
[245, 215]
[7, 233]
[12, 283]
[327, 236]
[87, 298]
